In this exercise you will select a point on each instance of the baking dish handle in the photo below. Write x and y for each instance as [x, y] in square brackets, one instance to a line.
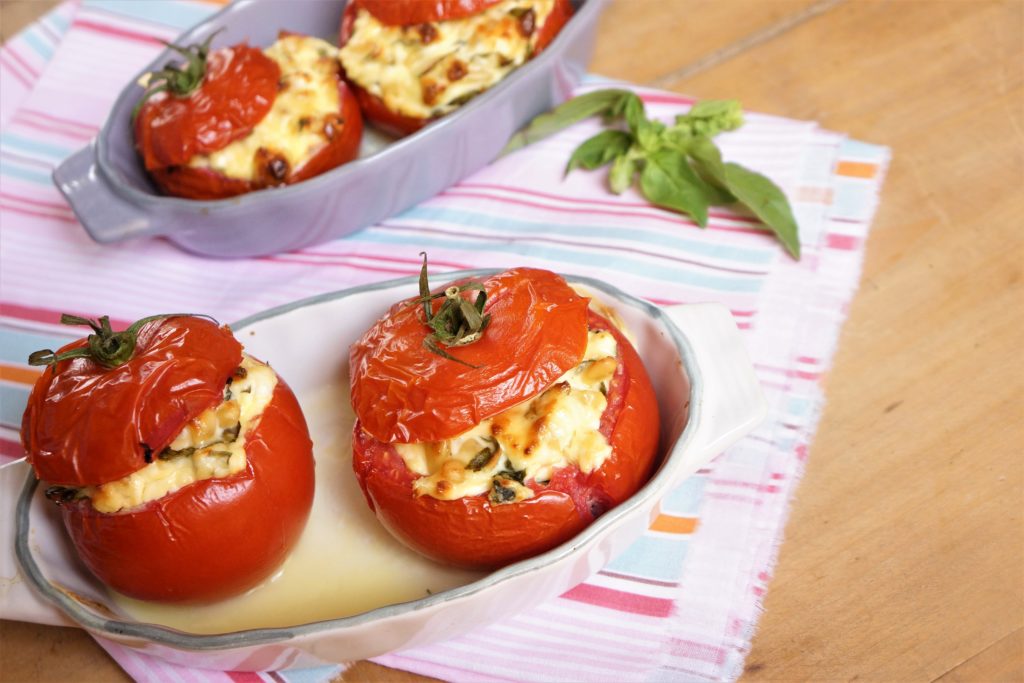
[101, 210]
[732, 403]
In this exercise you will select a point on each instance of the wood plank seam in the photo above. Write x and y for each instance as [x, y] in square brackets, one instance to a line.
[980, 652]
[726, 53]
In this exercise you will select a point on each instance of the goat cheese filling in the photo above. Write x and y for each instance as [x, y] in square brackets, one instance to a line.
[212, 445]
[528, 442]
[304, 117]
[427, 70]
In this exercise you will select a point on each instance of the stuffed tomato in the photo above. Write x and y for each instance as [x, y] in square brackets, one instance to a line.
[494, 451]
[412, 61]
[182, 467]
[240, 119]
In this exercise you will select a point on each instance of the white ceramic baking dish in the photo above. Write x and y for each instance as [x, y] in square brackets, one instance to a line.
[708, 397]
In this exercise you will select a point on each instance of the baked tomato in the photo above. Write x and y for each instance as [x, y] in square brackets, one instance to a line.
[410, 62]
[512, 477]
[182, 467]
[245, 119]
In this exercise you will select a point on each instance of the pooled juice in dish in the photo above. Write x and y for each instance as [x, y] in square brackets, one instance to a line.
[345, 563]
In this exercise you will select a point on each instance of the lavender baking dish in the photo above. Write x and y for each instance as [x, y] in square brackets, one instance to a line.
[113, 198]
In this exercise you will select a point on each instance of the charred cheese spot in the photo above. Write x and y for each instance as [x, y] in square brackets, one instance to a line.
[527, 442]
[210, 446]
[430, 69]
[303, 118]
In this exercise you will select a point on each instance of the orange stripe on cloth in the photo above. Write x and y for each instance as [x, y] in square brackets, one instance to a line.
[856, 169]
[19, 374]
[674, 525]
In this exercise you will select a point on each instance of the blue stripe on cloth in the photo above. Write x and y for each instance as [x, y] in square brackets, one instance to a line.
[16, 345]
[9, 168]
[40, 46]
[57, 22]
[317, 674]
[684, 500]
[178, 15]
[653, 557]
[798, 405]
[670, 273]
[34, 146]
[13, 399]
[855, 149]
[501, 223]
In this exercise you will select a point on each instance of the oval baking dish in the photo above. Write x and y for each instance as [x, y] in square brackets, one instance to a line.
[114, 199]
[708, 397]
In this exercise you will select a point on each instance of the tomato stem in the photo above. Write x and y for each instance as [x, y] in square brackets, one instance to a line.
[106, 347]
[457, 322]
[177, 80]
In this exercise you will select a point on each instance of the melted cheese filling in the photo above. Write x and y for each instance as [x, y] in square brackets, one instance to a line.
[428, 70]
[302, 119]
[527, 442]
[211, 445]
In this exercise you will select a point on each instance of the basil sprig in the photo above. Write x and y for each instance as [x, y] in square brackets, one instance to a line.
[678, 166]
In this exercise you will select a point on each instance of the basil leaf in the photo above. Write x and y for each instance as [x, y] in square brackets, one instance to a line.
[576, 109]
[599, 150]
[620, 178]
[768, 203]
[667, 180]
[628, 101]
[634, 113]
[649, 135]
[709, 118]
[706, 109]
[707, 161]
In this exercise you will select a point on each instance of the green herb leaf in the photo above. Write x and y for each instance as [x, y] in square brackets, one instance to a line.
[484, 456]
[634, 113]
[707, 161]
[649, 135]
[667, 180]
[578, 108]
[599, 150]
[710, 118]
[512, 473]
[620, 178]
[768, 203]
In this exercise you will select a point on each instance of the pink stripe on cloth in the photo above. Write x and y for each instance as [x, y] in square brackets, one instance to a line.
[620, 600]
[20, 65]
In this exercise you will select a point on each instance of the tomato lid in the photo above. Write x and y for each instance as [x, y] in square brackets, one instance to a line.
[86, 424]
[236, 93]
[406, 12]
[403, 392]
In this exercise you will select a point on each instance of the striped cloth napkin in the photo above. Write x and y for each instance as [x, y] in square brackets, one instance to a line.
[683, 602]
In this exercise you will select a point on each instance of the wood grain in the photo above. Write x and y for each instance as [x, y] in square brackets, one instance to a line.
[904, 556]
[904, 553]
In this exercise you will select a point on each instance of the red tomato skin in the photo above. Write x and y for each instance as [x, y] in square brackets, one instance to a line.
[560, 15]
[406, 12]
[213, 538]
[403, 392]
[419, 12]
[240, 86]
[472, 533]
[203, 183]
[86, 425]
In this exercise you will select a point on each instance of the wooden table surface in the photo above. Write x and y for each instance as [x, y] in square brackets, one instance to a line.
[904, 552]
